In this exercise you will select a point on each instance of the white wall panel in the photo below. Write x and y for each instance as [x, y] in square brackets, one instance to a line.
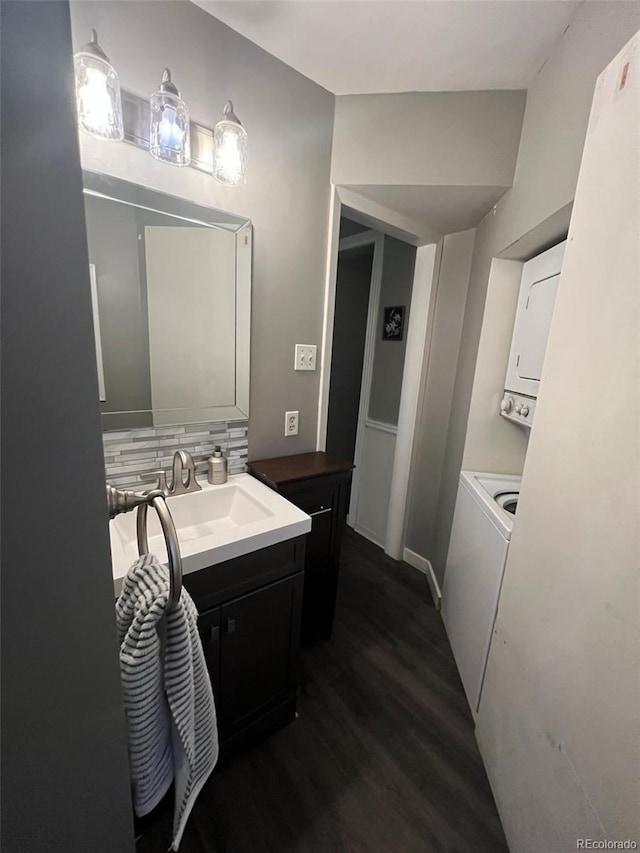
[372, 510]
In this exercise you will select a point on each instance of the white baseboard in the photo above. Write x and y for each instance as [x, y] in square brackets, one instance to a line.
[423, 565]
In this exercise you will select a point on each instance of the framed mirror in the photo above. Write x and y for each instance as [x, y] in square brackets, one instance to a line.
[171, 295]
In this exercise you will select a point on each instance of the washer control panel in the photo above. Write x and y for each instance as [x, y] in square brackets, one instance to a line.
[518, 408]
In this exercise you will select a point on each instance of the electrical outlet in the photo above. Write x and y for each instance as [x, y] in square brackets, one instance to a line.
[291, 423]
[305, 357]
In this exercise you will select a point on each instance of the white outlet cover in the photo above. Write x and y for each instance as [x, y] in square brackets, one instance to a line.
[291, 423]
[305, 358]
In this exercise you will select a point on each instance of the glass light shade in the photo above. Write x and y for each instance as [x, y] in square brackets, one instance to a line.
[230, 150]
[98, 94]
[170, 138]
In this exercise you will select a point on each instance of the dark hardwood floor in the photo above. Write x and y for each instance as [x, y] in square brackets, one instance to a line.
[382, 758]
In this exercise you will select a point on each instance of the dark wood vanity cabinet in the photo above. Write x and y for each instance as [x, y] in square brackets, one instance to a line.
[249, 624]
[319, 485]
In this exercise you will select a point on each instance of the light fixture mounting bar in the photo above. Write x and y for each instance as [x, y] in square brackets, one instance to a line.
[135, 115]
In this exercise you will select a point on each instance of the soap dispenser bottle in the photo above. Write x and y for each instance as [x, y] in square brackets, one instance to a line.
[217, 467]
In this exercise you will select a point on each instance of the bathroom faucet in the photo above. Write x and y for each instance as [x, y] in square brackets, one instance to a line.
[182, 461]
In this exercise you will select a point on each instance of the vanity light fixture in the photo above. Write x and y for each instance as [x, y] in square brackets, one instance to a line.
[98, 93]
[170, 139]
[230, 149]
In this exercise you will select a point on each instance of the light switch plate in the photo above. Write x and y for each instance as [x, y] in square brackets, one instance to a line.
[291, 423]
[305, 357]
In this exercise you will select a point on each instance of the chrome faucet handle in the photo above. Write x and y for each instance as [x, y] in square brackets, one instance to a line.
[159, 478]
[183, 461]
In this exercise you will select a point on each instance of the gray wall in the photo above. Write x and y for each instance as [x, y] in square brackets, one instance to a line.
[439, 138]
[388, 362]
[437, 392]
[65, 780]
[553, 135]
[289, 121]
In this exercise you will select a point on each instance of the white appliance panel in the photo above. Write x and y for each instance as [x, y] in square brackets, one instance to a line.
[485, 487]
[475, 566]
[518, 408]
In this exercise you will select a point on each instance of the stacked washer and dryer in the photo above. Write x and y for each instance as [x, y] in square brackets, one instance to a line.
[486, 503]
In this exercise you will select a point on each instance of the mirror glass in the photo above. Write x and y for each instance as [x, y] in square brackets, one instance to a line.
[171, 294]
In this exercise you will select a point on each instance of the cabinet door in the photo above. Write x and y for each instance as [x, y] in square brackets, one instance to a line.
[320, 565]
[320, 505]
[209, 627]
[258, 655]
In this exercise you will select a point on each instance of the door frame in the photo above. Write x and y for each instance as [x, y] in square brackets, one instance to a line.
[418, 339]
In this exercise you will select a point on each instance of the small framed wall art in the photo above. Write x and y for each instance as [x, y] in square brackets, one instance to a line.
[393, 323]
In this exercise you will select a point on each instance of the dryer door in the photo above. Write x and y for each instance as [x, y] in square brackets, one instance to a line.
[533, 330]
[540, 277]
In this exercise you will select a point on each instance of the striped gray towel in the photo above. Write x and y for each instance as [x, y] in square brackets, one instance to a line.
[167, 694]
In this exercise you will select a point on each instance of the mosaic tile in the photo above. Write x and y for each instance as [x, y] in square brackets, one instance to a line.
[132, 453]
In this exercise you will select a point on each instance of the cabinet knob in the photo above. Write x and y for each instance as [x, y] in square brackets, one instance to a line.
[214, 633]
[231, 626]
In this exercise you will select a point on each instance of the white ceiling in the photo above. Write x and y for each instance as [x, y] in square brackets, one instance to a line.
[370, 46]
[446, 209]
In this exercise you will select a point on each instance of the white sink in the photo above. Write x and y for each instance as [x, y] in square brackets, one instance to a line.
[213, 525]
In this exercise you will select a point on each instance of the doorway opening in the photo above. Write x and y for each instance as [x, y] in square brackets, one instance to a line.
[374, 282]
[392, 370]
[353, 287]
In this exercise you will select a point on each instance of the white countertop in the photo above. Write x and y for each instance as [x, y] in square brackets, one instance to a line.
[213, 525]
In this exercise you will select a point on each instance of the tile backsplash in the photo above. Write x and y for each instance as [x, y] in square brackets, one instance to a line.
[128, 453]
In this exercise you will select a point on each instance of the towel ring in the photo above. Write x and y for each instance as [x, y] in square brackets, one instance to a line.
[158, 502]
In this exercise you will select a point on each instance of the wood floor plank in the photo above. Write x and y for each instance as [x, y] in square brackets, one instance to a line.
[382, 758]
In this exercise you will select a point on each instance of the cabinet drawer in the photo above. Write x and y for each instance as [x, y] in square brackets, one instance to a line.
[217, 584]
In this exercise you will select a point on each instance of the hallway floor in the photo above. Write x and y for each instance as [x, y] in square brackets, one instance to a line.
[382, 758]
